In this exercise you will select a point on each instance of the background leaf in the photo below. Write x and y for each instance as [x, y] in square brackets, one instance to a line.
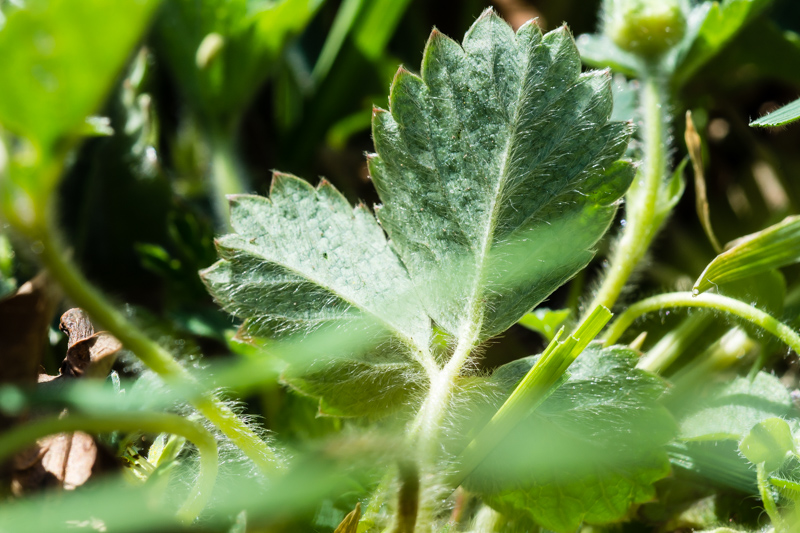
[732, 409]
[721, 21]
[60, 58]
[599, 51]
[588, 452]
[250, 36]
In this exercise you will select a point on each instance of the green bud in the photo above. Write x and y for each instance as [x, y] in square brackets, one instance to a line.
[645, 27]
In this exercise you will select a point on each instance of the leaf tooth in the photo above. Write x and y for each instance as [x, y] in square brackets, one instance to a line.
[564, 56]
[332, 197]
[288, 187]
[529, 29]
[439, 49]
[243, 209]
[488, 21]
[529, 35]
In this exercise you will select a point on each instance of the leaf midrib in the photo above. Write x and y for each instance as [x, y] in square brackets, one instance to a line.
[486, 241]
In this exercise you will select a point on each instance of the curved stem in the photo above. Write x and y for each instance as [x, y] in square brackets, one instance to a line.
[23, 436]
[641, 200]
[87, 297]
[711, 301]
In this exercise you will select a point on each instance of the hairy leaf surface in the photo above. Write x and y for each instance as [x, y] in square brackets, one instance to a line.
[305, 260]
[588, 452]
[491, 161]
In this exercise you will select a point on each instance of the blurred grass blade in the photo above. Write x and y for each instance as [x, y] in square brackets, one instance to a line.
[781, 116]
[342, 24]
[773, 247]
[377, 25]
[695, 148]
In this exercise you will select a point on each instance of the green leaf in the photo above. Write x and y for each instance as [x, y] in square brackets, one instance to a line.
[711, 26]
[768, 442]
[589, 452]
[60, 58]
[781, 116]
[221, 51]
[734, 408]
[487, 164]
[545, 321]
[8, 283]
[768, 249]
[304, 260]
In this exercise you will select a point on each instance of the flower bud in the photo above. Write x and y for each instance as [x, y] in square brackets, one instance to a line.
[645, 27]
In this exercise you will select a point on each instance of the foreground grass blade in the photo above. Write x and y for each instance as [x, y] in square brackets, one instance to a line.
[773, 247]
[547, 375]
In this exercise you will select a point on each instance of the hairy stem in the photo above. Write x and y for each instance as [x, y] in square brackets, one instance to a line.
[428, 422]
[712, 301]
[766, 498]
[642, 198]
[87, 297]
[25, 435]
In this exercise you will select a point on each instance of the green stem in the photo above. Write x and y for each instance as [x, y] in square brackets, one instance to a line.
[227, 175]
[766, 497]
[642, 198]
[712, 301]
[87, 297]
[24, 435]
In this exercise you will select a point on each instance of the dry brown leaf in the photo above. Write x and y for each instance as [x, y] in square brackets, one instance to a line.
[68, 460]
[65, 460]
[89, 354]
[694, 146]
[25, 318]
